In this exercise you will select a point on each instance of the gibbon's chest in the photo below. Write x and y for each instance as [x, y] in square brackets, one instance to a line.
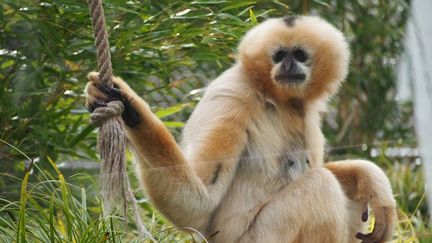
[276, 151]
[274, 156]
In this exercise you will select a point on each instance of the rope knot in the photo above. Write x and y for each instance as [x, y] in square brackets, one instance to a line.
[102, 114]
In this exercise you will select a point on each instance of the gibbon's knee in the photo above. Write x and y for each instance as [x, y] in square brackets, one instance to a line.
[311, 209]
[332, 211]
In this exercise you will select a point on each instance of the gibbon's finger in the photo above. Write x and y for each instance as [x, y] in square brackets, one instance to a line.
[94, 105]
[93, 77]
[379, 233]
[95, 86]
[365, 238]
[103, 113]
[112, 93]
[365, 212]
[92, 92]
[110, 109]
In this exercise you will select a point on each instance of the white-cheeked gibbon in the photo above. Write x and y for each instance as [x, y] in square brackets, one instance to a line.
[250, 165]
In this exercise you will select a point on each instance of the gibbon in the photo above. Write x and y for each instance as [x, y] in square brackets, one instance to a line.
[250, 165]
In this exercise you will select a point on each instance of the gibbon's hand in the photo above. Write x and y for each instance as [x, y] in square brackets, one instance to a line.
[384, 224]
[99, 94]
[366, 184]
[383, 207]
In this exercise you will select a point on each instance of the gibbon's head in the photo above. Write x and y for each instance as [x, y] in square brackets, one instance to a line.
[295, 57]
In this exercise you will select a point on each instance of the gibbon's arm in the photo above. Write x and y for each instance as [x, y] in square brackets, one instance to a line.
[185, 189]
[366, 183]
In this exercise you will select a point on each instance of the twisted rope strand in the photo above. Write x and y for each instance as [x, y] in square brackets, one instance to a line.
[101, 41]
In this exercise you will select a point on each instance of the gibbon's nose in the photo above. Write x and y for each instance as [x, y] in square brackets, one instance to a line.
[288, 63]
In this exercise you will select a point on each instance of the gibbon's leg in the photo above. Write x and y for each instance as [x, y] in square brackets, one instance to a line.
[185, 195]
[313, 208]
[365, 183]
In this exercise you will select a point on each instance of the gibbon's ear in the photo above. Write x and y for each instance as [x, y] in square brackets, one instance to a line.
[323, 60]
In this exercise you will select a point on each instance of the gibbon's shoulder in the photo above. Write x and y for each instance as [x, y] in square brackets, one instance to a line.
[232, 85]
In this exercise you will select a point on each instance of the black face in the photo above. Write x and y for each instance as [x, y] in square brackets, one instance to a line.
[290, 69]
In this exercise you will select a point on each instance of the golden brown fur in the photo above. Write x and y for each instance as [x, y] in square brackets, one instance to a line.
[250, 164]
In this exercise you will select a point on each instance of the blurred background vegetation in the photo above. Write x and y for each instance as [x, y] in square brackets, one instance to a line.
[168, 51]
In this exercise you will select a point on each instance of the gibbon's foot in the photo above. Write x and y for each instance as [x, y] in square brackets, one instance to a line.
[98, 95]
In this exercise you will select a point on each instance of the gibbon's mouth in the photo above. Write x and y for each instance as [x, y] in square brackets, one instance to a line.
[290, 78]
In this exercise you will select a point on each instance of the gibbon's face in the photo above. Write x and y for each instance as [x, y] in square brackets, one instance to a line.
[295, 56]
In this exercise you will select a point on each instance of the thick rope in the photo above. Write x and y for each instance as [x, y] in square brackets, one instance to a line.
[111, 140]
[114, 182]
[101, 41]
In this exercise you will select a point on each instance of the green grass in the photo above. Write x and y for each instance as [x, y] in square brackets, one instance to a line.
[51, 209]
[409, 189]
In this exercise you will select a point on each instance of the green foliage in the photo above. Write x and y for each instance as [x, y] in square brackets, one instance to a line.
[168, 51]
[409, 187]
[375, 30]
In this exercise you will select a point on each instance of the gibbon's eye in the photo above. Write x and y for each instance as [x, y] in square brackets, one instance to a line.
[279, 56]
[300, 55]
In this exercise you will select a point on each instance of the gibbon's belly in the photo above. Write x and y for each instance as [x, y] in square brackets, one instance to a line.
[263, 170]
[253, 187]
